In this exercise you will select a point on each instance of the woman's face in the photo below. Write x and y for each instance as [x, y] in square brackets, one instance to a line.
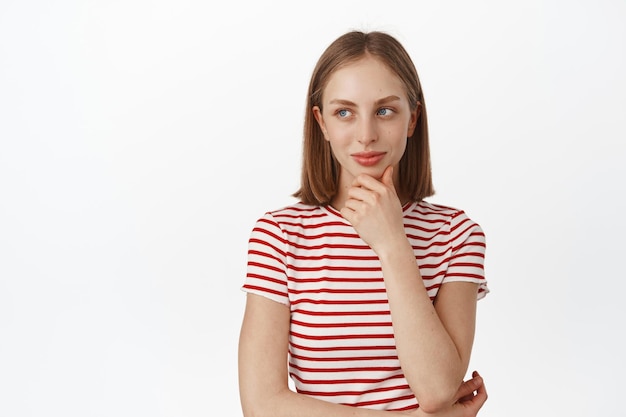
[366, 118]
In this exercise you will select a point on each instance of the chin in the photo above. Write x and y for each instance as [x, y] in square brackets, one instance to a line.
[375, 172]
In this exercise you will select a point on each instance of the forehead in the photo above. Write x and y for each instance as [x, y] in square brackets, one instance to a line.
[368, 77]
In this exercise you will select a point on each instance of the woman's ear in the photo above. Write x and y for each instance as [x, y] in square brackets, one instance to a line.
[415, 115]
[317, 112]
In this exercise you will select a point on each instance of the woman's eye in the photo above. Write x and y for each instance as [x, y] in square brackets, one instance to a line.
[343, 113]
[384, 112]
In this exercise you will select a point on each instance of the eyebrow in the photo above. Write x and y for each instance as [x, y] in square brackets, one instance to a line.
[378, 102]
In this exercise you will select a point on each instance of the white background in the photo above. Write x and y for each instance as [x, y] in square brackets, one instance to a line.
[140, 141]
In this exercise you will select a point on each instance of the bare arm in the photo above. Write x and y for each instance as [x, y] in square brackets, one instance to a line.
[470, 398]
[433, 341]
[263, 385]
[263, 372]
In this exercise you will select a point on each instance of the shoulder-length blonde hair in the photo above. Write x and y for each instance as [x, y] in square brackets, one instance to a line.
[320, 170]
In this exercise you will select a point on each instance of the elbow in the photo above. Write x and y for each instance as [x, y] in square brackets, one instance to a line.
[433, 407]
[437, 400]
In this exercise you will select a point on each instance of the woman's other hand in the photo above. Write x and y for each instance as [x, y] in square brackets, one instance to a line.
[470, 398]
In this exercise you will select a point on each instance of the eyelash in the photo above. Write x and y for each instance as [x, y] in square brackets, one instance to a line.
[386, 109]
[342, 110]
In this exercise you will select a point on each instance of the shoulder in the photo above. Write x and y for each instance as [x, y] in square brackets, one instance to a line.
[296, 211]
[435, 212]
[455, 219]
[429, 209]
[291, 215]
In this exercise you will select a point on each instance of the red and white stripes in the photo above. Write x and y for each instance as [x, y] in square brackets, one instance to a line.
[341, 339]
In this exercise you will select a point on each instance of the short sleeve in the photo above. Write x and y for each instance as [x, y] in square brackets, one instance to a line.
[266, 269]
[467, 256]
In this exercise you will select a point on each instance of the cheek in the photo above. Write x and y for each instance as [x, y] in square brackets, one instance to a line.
[337, 132]
[402, 129]
[402, 147]
[397, 135]
[399, 145]
[337, 151]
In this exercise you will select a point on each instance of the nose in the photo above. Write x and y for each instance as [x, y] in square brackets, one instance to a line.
[367, 131]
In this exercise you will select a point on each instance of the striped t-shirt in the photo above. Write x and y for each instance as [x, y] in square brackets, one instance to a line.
[341, 343]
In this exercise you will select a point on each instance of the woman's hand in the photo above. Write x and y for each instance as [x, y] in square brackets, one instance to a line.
[374, 210]
[470, 398]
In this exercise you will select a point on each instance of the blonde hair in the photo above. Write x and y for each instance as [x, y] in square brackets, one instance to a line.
[320, 170]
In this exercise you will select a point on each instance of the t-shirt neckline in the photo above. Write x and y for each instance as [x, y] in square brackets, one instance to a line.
[406, 208]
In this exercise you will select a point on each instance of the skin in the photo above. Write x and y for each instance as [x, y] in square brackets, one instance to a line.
[365, 109]
[263, 384]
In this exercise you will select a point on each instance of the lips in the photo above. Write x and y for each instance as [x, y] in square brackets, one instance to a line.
[368, 159]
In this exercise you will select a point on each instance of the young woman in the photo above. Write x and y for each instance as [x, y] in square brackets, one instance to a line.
[363, 293]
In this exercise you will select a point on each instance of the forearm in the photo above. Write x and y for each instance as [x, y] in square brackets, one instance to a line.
[429, 358]
[286, 403]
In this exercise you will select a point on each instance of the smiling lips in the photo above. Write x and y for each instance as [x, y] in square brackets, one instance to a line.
[368, 159]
